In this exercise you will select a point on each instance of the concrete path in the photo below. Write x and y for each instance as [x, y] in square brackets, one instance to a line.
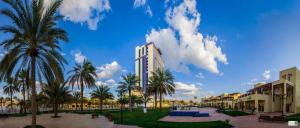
[250, 121]
[68, 120]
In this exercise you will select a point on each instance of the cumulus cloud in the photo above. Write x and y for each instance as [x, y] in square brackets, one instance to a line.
[267, 74]
[188, 91]
[143, 4]
[88, 12]
[107, 71]
[79, 57]
[189, 47]
[200, 75]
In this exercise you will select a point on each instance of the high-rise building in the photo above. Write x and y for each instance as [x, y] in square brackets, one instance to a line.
[148, 59]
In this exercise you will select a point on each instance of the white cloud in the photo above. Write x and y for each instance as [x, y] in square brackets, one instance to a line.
[188, 91]
[267, 74]
[109, 70]
[189, 47]
[110, 82]
[200, 75]
[143, 4]
[88, 12]
[79, 58]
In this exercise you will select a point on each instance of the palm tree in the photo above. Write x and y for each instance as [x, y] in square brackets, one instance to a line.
[23, 81]
[102, 93]
[55, 92]
[34, 42]
[129, 81]
[76, 97]
[10, 88]
[163, 84]
[83, 75]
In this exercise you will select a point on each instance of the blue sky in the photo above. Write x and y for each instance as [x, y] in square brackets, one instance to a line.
[256, 39]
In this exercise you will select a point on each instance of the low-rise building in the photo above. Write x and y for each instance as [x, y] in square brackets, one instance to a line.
[225, 100]
[276, 96]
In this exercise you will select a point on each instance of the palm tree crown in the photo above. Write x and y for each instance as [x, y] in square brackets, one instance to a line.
[83, 75]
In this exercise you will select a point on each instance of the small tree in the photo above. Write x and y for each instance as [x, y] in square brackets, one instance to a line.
[10, 88]
[102, 93]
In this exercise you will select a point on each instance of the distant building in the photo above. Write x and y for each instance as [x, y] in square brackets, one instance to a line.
[148, 59]
[222, 101]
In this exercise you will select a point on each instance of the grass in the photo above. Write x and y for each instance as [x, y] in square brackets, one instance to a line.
[234, 113]
[150, 120]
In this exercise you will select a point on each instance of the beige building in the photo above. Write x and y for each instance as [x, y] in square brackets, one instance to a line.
[276, 96]
[225, 100]
[148, 59]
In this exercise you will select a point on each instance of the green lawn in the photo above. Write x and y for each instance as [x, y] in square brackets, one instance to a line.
[234, 113]
[150, 120]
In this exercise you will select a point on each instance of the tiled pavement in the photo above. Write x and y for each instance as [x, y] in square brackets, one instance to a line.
[250, 121]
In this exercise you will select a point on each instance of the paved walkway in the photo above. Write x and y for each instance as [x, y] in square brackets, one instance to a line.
[68, 120]
[250, 121]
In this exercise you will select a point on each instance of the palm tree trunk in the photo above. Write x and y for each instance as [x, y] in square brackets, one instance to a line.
[24, 102]
[11, 102]
[55, 108]
[160, 100]
[33, 97]
[130, 100]
[101, 105]
[155, 99]
[81, 94]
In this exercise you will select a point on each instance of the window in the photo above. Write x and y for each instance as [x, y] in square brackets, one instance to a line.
[289, 77]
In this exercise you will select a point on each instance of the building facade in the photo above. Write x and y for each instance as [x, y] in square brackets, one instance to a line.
[276, 96]
[148, 59]
[225, 100]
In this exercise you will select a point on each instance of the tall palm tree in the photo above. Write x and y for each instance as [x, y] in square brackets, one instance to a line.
[129, 81]
[102, 93]
[10, 88]
[76, 98]
[55, 92]
[34, 42]
[164, 84]
[23, 81]
[83, 75]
